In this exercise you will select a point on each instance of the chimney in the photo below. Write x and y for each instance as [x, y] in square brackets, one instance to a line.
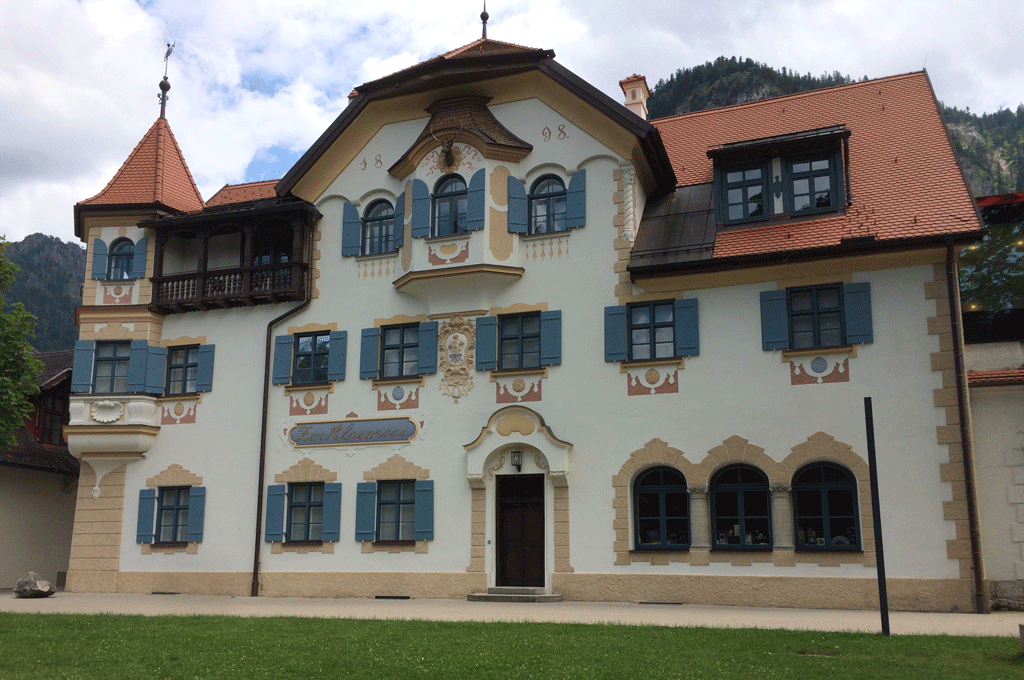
[636, 91]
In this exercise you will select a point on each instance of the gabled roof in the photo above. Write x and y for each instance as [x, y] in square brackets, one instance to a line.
[56, 365]
[905, 182]
[155, 174]
[238, 193]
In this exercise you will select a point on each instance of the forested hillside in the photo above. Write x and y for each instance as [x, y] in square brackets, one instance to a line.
[50, 286]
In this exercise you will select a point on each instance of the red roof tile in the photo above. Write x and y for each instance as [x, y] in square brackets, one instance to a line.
[239, 193]
[486, 46]
[904, 178]
[155, 172]
[1006, 376]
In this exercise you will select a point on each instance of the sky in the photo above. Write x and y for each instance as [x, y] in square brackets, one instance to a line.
[255, 82]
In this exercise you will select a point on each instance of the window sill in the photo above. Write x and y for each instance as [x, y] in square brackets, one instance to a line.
[116, 282]
[448, 237]
[829, 549]
[674, 362]
[185, 396]
[742, 548]
[303, 543]
[420, 547]
[305, 387]
[849, 350]
[402, 380]
[302, 547]
[550, 234]
[377, 256]
[170, 548]
[541, 372]
[660, 549]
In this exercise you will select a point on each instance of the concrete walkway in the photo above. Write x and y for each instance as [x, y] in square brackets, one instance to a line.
[901, 623]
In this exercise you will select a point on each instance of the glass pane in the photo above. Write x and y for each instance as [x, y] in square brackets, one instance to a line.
[842, 531]
[663, 313]
[757, 532]
[734, 177]
[802, 324]
[316, 532]
[531, 324]
[675, 504]
[406, 512]
[182, 524]
[531, 345]
[831, 338]
[392, 336]
[755, 503]
[664, 334]
[726, 504]
[323, 343]
[664, 350]
[800, 301]
[801, 167]
[809, 531]
[316, 515]
[820, 165]
[823, 199]
[840, 502]
[105, 351]
[316, 494]
[801, 186]
[405, 531]
[648, 504]
[754, 194]
[752, 174]
[650, 531]
[828, 298]
[388, 513]
[808, 503]
[823, 183]
[735, 212]
[305, 344]
[411, 336]
[387, 532]
[120, 384]
[641, 336]
[735, 196]
[303, 362]
[641, 315]
[389, 492]
[755, 209]
[510, 325]
[408, 491]
[676, 532]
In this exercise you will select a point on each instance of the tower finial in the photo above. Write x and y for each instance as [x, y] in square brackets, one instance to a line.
[484, 16]
[164, 84]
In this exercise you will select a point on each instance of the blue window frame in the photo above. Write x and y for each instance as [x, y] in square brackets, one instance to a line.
[825, 508]
[520, 341]
[651, 330]
[378, 228]
[182, 369]
[399, 355]
[396, 510]
[111, 367]
[120, 259]
[311, 357]
[816, 317]
[305, 512]
[172, 522]
[450, 206]
[745, 192]
[661, 518]
[547, 205]
[813, 183]
[740, 509]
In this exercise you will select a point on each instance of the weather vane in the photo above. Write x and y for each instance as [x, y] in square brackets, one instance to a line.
[164, 84]
[484, 16]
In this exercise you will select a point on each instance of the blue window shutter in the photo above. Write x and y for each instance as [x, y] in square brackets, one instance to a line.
[275, 513]
[139, 259]
[615, 334]
[687, 330]
[486, 343]
[576, 201]
[332, 512]
[99, 259]
[366, 511]
[204, 372]
[420, 209]
[81, 368]
[551, 338]
[423, 524]
[476, 202]
[399, 237]
[147, 512]
[282, 359]
[137, 361]
[351, 230]
[428, 347]
[337, 350]
[196, 510]
[518, 210]
[156, 369]
[774, 320]
[369, 345]
[857, 309]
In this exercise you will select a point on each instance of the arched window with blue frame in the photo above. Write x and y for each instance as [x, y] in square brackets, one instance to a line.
[450, 206]
[120, 259]
[547, 205]
[661, 510]
[378, 228]
[741, 516]
[825, 508]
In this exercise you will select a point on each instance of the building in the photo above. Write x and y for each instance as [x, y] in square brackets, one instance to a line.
[495, 329]
[38, 478]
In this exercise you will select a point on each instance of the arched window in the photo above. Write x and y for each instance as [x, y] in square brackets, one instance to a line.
[825, 508]
[450, 206]
[378, 228]
[547, 205]
[661, 517]
[740, 509]
[119, 261]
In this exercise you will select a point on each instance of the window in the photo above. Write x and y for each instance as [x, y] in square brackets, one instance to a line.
[271, 246]
[378, 229]
[746, 190]
[812, 182]
[400, 351]
[395, 510]
[450, 206]
[51, 417]
[825, 508]
[305, 512]
[831, 315]
[399, 356]
[172, 515]
[120, 260]
[547, 206]
[520, 341]
[312, 358]
[111, 375]
[182, 369]
[651, 330]
[740, 509]
[660, 510]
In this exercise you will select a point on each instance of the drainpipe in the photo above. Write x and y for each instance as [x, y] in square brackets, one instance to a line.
[255, 590]
[980, 600]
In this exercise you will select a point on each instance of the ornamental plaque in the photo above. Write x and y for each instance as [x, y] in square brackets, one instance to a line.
[354, 432]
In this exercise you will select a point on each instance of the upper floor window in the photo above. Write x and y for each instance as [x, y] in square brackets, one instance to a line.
[312, 355]
[111, 367]
[815, 317]
[643, 331]
[399, 355]
[830, 315]
[450, 206]
[812, 183]
[520, 341]
[825, 507]
[182, 369]
[271, 246]
[120, 259]
[307, 358]
[740, 508]
[399, 351]
[378, 229]
[651, 330]
[661, 510]
[547, 206]
[746, 189]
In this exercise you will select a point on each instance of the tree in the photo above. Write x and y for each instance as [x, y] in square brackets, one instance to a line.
[18, 368]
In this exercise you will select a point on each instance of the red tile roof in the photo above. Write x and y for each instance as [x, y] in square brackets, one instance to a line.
[238, 193]
[155, 172]
[904, 178]
[1006, 376]
[486, 46]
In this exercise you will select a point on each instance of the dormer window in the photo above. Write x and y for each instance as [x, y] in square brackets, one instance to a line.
[813, 183]
[746, 191]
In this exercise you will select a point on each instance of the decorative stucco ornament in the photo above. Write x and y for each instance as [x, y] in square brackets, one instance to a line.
[457, 346]
[107, 411]
[629, 230]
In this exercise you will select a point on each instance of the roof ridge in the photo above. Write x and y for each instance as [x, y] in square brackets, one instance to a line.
[481, 41]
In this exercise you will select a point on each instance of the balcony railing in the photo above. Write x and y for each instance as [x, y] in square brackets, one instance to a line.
[235, 287]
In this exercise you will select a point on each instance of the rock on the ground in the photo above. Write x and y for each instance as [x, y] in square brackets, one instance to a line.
[32, 585]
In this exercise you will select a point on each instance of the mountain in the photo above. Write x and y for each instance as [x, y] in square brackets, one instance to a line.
[50, 286]
[990, 147]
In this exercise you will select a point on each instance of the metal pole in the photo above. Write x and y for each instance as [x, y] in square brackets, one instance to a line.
[876, 513]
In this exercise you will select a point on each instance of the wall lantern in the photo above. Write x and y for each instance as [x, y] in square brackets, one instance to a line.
[517, 460]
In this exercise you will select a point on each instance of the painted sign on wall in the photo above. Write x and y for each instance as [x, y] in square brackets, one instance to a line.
[356, 432]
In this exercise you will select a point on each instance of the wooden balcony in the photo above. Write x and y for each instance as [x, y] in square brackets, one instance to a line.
[223, 288]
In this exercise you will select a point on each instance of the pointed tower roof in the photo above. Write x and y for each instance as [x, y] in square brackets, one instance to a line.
[155, 174]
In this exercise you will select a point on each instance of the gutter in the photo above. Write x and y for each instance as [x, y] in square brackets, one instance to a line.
[966, 443]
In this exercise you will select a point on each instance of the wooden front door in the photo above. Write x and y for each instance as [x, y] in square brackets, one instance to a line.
[520, 530]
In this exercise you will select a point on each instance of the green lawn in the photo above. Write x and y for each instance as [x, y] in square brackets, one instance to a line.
[58, 646]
